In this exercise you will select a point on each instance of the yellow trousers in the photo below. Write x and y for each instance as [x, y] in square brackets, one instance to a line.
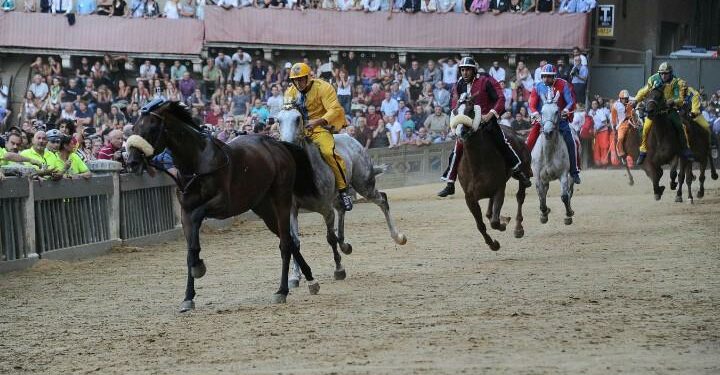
[326, 143]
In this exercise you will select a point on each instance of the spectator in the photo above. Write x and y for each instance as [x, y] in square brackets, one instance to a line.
[601, 127]
[437, 121]
[68, 112]
[496, 71]
[71, 93]
[363, 133]
[29, 108]
[545, 6]
[389, 106]
[479, 6]
[177, 71]
[442, 96]
[224, 63]
[520, 125]
[83, 115]
[408, 123]
[55, 69]
[524, 81]
[423, 138]
[5, 114]
[498, 6]
[212, 77]
[376, 95]
[258, 73]
[40, 155]
[61, 6]
[239, 105]
[507, 92]
[576, 6]
[228, 130]
[187, 9]
[147, 71]
[369, 74]
[260, 110]
[86, 7]
[432, 73]
[73, 166]
[241, 67]
[4, 94]
[352, 64]
[39, 89]
[275, 101]
[576, 52]
[562, 71]
[151, 9]
[371, 5]
[402, 108]
[7, 5]
[415, 78]
[537, 76]
[395, 132]
[112, 149]
[396, 93]
[419, 116]
[343, 87]
[408, 137]
[214, 117]
[579, 74]
[227, 4]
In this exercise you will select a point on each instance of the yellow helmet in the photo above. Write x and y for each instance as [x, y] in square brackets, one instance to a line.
[623, 94]
[299, 70]
[665, 67]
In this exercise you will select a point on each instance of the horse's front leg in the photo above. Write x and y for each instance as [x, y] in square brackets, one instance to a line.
[295, 273]
[520, 197]
[346, 248]
[381, 200]
[565, 196]
[703, 166]
[674, 175]
[195, 266]
[542, 189]
[689, 177]
[681, 180]
[631, 181]
[476, 211]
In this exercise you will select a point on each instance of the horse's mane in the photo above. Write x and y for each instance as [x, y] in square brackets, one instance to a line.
[182, 113]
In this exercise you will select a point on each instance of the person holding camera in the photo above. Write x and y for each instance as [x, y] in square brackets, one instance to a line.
[579, 76]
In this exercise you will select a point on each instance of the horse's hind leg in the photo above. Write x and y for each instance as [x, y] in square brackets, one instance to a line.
[520, 196]
[380, 199]
[498, 222]
[674, 174]
[701, 192]
[346, 248]
[295, 272]
[681, 180]
[476, 211]
[333, 242]
[489, 212]
[631, 181]
[566, 196]
[689, 177]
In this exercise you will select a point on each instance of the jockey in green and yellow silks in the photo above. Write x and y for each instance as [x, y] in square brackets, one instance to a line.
[674, 92]
[692, 101]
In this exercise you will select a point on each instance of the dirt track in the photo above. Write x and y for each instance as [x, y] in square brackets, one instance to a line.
[633, 286]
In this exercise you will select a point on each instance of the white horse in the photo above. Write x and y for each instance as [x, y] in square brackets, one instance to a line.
[361, 178]
[551, 161]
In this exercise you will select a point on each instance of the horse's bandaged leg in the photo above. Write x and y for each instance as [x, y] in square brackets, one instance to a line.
[141, 144]
[647, 125]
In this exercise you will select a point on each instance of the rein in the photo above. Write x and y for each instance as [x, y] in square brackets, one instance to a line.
[195, 176]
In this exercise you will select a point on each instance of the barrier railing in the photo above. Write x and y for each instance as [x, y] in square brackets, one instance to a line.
[411, 165]
[146, 205]
[13, 194]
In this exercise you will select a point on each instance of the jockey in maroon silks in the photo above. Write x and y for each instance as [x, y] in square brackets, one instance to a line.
[486, 92]
[566, 103]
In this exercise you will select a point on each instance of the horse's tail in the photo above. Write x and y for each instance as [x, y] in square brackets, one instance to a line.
[379, 169]
[304, 177]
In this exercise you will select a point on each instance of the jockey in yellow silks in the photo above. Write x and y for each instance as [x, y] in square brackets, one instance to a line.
[692, 99]
[322, 112]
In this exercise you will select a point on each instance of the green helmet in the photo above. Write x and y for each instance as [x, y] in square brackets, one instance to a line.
[665, 67]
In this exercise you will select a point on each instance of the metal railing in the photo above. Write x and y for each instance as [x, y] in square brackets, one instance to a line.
[146, 205]
[13, 195]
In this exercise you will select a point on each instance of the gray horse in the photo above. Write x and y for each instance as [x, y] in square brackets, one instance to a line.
[551, 161]
[361, 174]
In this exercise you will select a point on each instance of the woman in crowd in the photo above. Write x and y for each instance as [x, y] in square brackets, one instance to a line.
[73, 166]
[123, 93]
[380, 136]
[29, 107]
[55, 92]
[344, 90]
[140, 94]
[104, 98]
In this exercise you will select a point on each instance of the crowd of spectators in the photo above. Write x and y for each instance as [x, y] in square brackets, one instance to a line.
[175, 9]
[387, 104]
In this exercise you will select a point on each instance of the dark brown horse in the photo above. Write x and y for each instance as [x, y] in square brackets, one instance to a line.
[483, 173]
[663, 140]
[699, 140]
[216, 180]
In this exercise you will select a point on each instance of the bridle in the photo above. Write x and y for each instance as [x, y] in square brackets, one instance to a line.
[195, 176]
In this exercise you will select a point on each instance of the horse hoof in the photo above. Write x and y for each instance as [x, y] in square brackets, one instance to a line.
[568, 220]
[197, 271]
[340, 274]
[631, 183]
[401, 239]
[691, 201]
[314, 287]
[673, 185]
[187, 306]
[700, 194]
[346, 248]
[495, 245]
[543, 219]
[678, 199]
[714, 176]
[279, 298]
[498, 226]
[657, 197]
[293, 283]
[519, 233]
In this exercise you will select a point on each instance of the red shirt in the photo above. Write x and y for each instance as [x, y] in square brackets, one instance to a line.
[372, 120]
[377, 98]
[212, 118]
[107, 152]
[487, 93]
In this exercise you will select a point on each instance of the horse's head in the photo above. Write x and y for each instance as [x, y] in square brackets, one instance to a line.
[147, 139]
[291, 123]
[549, 113]
[654, 102]
[460, 116]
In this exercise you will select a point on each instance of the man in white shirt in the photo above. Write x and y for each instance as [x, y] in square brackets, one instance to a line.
[395, 129]
[4, 94]
[61, 6]
[275, 102]
[536, 76]
[389, 106]
[449, 72]
[39, 88]
[147, 70]
[497, 72]
[241, 66]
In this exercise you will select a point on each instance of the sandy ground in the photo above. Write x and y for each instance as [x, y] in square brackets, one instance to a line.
[633, 286]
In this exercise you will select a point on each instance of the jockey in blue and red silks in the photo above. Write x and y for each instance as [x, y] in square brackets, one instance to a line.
[547, 88]
[486, 92]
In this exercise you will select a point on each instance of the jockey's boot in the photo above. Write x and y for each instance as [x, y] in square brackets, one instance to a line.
[345, 200]
[641, 158]
[687, 155]
[519, 175]
[448, 190]
[576, 178]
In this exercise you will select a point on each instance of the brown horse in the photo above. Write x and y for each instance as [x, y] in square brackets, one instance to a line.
[483, 173]
[663, 140]
[699, 140]
[216, 180]
[631, 143]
